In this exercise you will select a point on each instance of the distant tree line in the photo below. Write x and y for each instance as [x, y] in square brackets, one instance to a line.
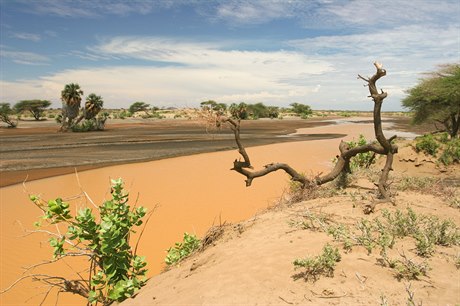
[255, 111]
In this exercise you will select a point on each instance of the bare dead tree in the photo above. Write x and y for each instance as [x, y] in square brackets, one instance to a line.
[383, 146]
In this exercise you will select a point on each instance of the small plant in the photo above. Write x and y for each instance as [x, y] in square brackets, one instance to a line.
[427, 144]
[182, 249]
[315, 221]
[342, 233]
[361, 160]
[323, 264]
[115, 271]
[409, 269]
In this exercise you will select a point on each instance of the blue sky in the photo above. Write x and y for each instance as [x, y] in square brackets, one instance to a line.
[179, 53]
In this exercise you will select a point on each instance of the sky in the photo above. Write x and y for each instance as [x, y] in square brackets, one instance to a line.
[178, 53]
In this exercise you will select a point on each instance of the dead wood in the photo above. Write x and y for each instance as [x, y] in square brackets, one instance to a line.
[383, 146]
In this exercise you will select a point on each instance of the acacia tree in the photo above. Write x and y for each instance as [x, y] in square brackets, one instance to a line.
[71, 100]
[5, 113]
[35, 107]
[383, 146]
[139, 107]
[302, 110]
[437, 98]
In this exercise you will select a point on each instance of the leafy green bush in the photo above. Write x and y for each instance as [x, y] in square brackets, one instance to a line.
[182, 249]
[451, 153]
[360, 160]
[321, 264]
[427, 144]
[115, 271]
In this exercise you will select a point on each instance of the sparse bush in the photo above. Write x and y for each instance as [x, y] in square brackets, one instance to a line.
[416, 183]
[361, 160]
[322, 264]
[124, 114]
[427, 144]
[406, 268]
[427, 231]
[189, 244]
[451, 153]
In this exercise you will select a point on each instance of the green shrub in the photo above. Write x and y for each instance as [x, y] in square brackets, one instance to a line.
[189, 244]
[360, 160]
[451, 153]
[427, 144]
[116, 272]
[322, 264]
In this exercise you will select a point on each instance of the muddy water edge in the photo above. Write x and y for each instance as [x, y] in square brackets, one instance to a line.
[189, 194]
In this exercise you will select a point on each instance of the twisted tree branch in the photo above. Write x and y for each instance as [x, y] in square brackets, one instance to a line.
[383, 147]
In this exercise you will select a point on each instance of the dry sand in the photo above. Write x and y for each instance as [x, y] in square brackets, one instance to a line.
[192, 193]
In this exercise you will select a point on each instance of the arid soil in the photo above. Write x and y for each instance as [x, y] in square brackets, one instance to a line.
[250, 263]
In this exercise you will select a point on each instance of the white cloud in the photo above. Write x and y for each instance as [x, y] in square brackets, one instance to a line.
[181, 72]
[92, 9]
[253, 12]
[393, 13]
[28, 36]
[25, 58]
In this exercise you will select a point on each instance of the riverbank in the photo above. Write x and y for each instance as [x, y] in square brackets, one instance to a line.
[188, 194]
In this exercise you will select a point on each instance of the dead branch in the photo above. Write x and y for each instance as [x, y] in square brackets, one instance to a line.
[382, 147]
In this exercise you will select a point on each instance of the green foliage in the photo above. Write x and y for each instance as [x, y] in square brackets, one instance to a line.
[451, 153]
[93, 106]
[405, 268]
[436, 98]
[427, 232]
[427, 144]
[35, 107]
[431, 145]
[5, 113]
[115, 271]
[93, 124]
[303, 110]
[189, 244]
[239, 111]
[322, 264]
[139, 107]
[220, 108]
[123, 114]
[416, 183]
[253, 111]
[360, 160]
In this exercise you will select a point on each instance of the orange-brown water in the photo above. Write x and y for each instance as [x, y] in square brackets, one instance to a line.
[191, 192]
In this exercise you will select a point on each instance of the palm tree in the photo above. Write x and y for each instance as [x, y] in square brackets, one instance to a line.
[93, 106]
[71, 99]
